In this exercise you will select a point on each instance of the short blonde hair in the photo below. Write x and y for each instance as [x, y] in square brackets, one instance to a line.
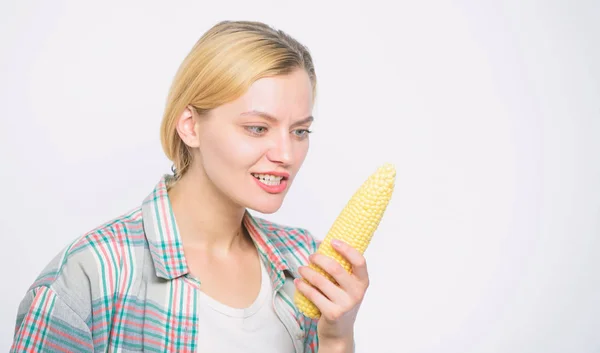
[221, 66]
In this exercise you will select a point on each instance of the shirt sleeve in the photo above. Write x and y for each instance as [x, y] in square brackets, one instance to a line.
[312, 243]
[45, 323]
[311, 343]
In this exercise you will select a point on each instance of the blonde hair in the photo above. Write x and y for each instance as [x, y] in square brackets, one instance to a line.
[221, 66]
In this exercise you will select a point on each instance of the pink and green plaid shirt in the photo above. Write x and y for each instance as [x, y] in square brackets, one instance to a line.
[125, 287]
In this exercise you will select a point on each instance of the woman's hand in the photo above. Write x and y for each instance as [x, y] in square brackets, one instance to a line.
[338, 304]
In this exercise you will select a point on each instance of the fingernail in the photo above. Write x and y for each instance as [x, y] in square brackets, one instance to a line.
[336, 243]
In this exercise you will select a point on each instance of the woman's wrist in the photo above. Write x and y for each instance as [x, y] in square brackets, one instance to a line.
[336, 345]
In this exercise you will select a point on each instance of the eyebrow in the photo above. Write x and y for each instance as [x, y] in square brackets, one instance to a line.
[274, 119]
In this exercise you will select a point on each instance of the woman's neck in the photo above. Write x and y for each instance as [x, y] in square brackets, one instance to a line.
[206, 218]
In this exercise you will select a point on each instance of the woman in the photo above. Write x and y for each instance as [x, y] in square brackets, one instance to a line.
[191, 270]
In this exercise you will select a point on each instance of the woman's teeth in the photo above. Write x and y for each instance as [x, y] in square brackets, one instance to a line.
[268, 179]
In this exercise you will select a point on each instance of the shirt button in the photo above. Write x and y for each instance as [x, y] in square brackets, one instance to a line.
[299, 336]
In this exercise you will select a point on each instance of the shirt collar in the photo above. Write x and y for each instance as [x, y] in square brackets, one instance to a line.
[166, 246]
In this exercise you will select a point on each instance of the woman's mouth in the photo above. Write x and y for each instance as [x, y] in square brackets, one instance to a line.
[268, 179]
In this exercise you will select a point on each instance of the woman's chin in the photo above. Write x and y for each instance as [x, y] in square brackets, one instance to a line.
[265, 206]
[263, 201]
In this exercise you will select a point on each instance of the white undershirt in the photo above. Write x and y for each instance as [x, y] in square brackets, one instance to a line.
[223, 329]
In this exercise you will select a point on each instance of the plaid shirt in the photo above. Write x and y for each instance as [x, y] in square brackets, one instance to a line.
[125, 287]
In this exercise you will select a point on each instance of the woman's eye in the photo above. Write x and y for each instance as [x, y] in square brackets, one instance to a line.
[302, 132]
[257, 130]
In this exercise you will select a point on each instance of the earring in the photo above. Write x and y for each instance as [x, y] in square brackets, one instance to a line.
[174, 170]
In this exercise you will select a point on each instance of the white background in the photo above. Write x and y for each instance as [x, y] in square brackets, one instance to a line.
[490, 112]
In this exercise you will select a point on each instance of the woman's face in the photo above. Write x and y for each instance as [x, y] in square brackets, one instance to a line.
[252, 148]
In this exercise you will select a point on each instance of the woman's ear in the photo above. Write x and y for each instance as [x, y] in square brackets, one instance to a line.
[186, 127]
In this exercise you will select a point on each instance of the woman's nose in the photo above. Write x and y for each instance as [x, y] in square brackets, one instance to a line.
[281, 151]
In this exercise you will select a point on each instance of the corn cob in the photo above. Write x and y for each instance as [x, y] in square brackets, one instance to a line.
[355, 225]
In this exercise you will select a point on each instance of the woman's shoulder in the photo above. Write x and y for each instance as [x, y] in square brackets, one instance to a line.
[95, 258]
[288, 238]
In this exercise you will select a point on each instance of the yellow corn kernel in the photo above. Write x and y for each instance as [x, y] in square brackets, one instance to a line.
[355, 225]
